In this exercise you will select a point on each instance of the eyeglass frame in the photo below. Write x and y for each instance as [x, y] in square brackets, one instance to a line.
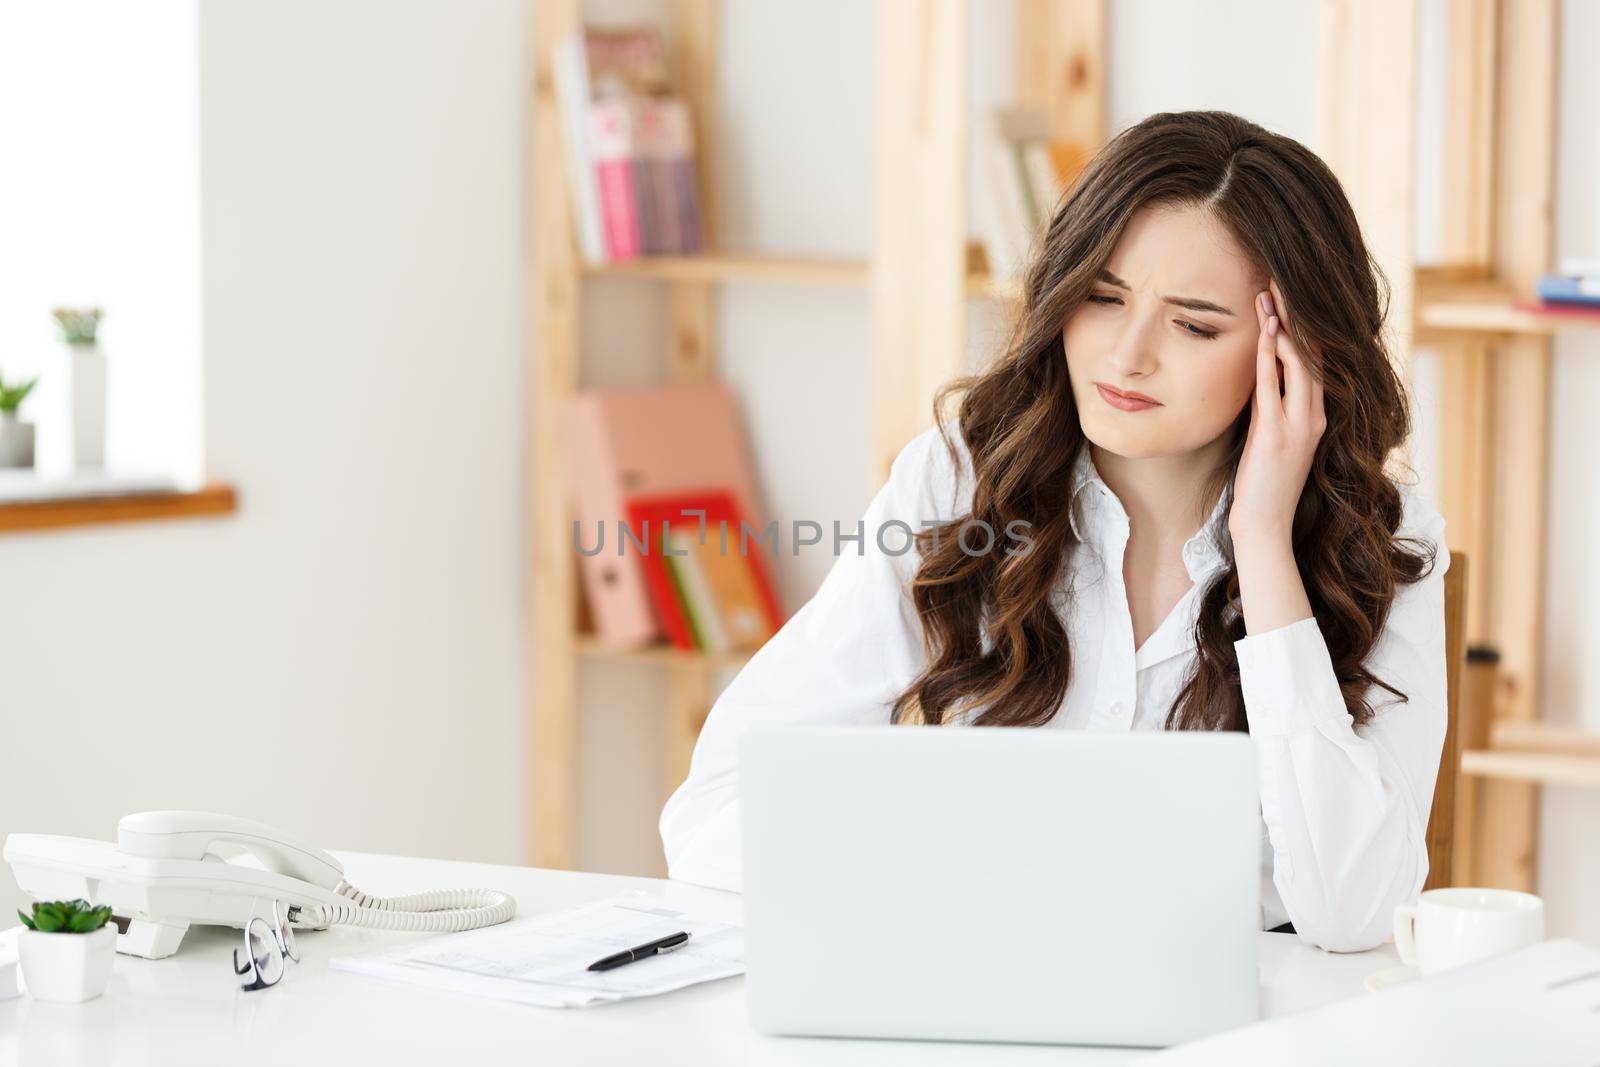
[279, 938]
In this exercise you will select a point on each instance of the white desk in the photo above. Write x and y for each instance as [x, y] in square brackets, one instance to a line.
[189, 1009]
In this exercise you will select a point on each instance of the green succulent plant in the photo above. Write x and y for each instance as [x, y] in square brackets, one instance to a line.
[66, 917]
[78, 325]
[11, 396]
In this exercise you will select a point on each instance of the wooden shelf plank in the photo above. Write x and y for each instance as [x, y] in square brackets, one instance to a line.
[659, 655]
[766, 269]
[1535, 736]
[1546, 768]
[736, 268]
[1489, 307]
[18, 516]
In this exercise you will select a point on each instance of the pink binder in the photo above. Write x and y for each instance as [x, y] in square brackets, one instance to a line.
[624, 443]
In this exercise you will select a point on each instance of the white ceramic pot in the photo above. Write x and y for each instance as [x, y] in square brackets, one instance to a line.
[87, 373]
[16, 442]
[69, 407]
[67, 967]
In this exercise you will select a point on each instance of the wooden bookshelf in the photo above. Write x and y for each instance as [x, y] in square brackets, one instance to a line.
[1495, 358]
[917, 278]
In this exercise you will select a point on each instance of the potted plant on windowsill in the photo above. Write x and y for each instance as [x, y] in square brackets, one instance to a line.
[66, 950]
[84, 378]
[16, 436]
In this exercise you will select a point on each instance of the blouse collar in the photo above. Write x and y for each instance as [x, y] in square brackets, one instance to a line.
[1102, 513]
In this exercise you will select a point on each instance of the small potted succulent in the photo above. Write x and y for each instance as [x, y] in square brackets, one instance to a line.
[84, 375]
[16, 436]
[66, 950]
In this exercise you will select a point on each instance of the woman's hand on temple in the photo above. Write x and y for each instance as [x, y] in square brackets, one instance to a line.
[1285, 425]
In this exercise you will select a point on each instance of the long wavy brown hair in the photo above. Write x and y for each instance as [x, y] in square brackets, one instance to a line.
[1019, 422]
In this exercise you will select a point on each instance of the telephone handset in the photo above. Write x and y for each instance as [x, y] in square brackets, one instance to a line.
[171, 869]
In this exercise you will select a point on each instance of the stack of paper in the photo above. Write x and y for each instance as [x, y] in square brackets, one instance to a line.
[544, 960]
[1539, 1004]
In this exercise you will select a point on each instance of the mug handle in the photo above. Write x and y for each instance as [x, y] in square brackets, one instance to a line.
[1405, 942]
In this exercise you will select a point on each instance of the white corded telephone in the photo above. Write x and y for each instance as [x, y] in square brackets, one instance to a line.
[170, 869]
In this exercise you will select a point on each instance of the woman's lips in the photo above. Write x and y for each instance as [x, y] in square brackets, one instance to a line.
[1125, 401]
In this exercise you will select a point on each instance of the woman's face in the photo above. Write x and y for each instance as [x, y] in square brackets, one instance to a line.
[1172, 318]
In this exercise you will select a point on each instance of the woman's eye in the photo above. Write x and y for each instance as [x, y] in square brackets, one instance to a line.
[1102, 298]
[1197, 331]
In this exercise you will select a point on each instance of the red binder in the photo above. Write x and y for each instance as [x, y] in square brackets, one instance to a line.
[651, 517]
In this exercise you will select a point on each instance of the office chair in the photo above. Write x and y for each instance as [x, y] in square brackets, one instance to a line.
[1442, 822]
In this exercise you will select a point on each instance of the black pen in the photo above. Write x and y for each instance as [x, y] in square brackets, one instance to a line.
[665, 944]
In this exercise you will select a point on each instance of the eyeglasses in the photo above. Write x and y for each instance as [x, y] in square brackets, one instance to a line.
[267, 946]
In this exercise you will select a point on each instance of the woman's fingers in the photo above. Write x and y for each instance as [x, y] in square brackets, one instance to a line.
[1296, 388]
[1303, 393]
[1267, 399]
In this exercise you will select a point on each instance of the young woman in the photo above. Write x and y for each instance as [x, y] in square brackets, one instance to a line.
[1192, 419]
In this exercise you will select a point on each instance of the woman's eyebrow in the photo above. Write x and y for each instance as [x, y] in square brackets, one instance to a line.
[1190, 302]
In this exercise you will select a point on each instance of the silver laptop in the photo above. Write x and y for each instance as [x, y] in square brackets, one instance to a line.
[1000, 884]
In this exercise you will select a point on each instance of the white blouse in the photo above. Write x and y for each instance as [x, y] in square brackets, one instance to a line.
[1344, 808]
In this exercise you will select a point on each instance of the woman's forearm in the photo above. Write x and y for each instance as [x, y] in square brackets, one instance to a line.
[1269, 582]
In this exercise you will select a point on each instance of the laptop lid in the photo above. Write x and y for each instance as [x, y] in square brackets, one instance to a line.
[1000, 884]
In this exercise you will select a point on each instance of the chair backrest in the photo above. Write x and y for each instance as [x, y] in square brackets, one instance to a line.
[1442, 821]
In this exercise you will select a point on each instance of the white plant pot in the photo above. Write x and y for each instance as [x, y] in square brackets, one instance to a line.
[86, 370]
[70, 968]
[69, 407]
[16, 442]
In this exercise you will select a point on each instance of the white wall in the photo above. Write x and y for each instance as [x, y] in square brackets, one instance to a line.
[342, 657]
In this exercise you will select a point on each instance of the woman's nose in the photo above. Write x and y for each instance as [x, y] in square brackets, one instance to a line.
[1134, 354]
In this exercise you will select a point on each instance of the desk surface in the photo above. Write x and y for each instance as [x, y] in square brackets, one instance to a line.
[189, 1009]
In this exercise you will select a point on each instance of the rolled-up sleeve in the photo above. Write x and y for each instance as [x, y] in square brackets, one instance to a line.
[1346, 807]
[843, 658]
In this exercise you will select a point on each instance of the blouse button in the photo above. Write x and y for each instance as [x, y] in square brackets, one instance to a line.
[1117, 708]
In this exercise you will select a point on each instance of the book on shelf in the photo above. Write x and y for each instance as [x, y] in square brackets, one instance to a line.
[1023, 175]
[709, 586]
[625, 444]
[629, 147]
[1579, 290]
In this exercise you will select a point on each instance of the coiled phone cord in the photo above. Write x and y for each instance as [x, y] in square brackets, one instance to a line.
[438, 911]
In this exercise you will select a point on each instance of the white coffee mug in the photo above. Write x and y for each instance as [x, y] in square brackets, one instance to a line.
[1449, 927]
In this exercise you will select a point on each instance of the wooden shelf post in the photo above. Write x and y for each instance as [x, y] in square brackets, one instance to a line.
[919, 247]
[553, 303]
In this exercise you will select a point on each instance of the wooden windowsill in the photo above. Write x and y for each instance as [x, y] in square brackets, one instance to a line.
[25, 515]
